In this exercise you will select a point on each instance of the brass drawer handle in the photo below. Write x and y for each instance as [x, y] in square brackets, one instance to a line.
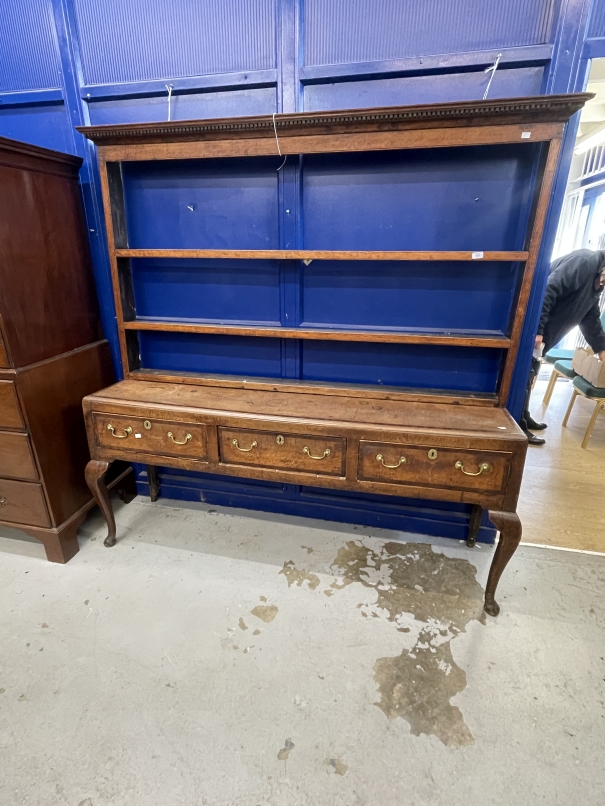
[245, 450]
[112, 430]
[310, 455]
[483, 468]
[380, 458]
[3, 501]
[176, 442]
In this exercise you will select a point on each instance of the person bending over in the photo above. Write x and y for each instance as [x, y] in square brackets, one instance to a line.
[572, 298]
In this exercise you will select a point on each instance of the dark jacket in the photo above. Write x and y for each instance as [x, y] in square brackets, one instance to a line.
[571, 299]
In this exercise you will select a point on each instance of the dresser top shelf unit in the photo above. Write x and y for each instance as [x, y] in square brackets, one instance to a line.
[520, 121]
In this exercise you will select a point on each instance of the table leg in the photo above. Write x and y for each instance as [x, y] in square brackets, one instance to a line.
[95, 472]
[509, 526]
[473, 525]
[153, 481]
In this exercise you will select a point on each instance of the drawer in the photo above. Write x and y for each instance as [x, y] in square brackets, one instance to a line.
[4, 362]
[10, 411]
[318, 455]
[164, 437]
[16, 458]
[23, 502]
[452, 468]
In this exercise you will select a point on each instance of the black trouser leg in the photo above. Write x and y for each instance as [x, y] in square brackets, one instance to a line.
[533, 374]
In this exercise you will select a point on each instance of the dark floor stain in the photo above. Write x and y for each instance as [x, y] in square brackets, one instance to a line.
[309, 549]
[2, 690]
[21, 698]
[44, 624]
[285, 751]
[297, 577]
[329, 593]
[256, 632]
[242, 624]
[443, 593]
[336, 765]
[265, 613]
[263, 598]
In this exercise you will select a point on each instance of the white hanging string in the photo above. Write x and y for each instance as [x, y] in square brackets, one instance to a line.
[491, 69]
[277, 142]
[169, 88]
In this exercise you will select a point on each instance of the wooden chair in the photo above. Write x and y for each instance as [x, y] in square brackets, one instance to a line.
[594, 393]
[561, 369]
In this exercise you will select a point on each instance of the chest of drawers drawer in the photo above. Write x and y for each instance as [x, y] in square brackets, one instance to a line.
[282, 450]
[16, 459]
[457, 468]
[23, 502]
[10, 411]
[162, 437]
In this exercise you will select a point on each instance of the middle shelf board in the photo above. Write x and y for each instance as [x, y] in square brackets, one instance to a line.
[314, 254]
[454, 339]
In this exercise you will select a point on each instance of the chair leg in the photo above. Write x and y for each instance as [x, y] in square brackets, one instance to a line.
[554, 376]
[593, 419]
[570, 407]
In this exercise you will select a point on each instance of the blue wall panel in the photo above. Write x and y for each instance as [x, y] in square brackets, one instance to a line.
[111, 61]
[29, 55]
[190, 106]
[507, 83]
[134, 40]
[202, 204]
[357, 31]
[406, 295]
[232, 291]
[467, 199]
[46, 125]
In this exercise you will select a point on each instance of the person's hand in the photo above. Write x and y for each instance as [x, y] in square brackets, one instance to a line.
[538, 341]
[601, 355]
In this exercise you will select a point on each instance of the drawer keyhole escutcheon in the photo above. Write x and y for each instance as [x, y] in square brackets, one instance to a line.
[433, 454]
[176, 442]
[112, 430]
[310, 455]
[380, 458]
[3, 501]
[483, 468]
[147, 425]
[245, 450]
[280, 440]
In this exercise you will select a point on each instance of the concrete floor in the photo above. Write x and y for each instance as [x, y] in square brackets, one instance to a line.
[226, 658]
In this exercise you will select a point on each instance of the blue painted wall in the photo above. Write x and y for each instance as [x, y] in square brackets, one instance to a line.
[70, 62]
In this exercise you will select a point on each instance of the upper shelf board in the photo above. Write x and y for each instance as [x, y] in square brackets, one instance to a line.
[461, 114]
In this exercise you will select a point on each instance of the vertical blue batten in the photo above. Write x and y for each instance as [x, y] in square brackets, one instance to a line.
[71, 62]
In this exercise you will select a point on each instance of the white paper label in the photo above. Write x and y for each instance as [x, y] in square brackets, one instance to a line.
[525, 135]
[137, 436]
[477, 255]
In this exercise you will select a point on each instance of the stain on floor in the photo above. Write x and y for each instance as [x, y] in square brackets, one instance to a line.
[265, 613]
[336, 766]
[297, 577]
[285, 751]
[440, 592]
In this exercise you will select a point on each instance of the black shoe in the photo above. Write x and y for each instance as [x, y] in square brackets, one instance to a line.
[531, 423]
[533, 439]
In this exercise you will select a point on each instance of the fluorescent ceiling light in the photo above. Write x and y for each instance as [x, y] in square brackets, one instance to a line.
[595, 139]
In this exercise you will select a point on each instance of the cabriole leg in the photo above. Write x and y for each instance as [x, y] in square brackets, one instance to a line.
[95, 471]
[509, 526]
[473, 525]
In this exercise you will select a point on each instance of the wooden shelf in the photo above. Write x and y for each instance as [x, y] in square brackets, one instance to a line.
[315, 254]
[319, 334]
[334, 388]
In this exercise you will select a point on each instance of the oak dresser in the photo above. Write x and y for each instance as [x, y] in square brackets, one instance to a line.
[449, 444]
